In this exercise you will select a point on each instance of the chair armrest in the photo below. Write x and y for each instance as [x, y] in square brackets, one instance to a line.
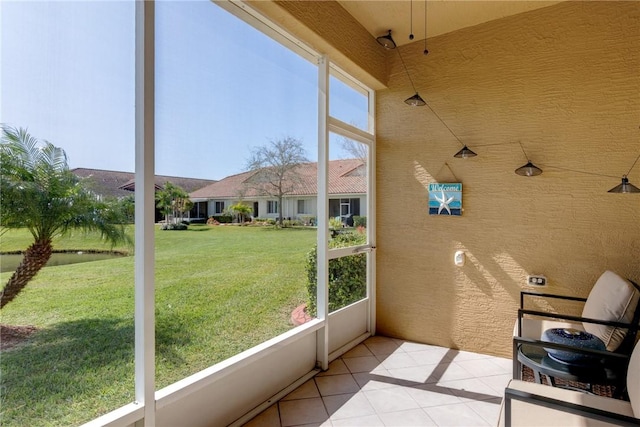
[618, 357]
[545, 295]
[630, 327]
[560, 405]
[522, 312]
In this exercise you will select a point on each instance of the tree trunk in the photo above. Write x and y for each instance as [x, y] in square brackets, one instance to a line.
[33, 260]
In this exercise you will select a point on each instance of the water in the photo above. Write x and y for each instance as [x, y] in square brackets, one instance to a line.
[11, 261]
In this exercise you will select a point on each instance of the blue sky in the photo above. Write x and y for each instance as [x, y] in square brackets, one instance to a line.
[222, 87]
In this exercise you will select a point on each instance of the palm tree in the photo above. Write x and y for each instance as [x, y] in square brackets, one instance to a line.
[242, 211]
[172, 199]
[39, 192]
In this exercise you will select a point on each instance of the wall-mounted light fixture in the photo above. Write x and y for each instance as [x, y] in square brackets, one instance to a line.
[625, 186]
[464, 153]
[387, 41]
[529, 169]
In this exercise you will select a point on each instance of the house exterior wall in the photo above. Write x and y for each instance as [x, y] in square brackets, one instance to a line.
[563, 80]
[290, 205]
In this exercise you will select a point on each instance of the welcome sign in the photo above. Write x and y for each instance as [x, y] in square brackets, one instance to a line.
[445, 199]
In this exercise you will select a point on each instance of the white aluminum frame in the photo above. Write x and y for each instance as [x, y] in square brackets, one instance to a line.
[144, 209]
[322, 287]
[368, 138]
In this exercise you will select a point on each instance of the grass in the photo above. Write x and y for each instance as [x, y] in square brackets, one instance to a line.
[219, 291]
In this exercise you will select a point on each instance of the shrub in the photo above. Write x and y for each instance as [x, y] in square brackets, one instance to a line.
[223, 219]
[335, 223]
[176, 226]
[359, 221]
[347, 275]
[291, 223]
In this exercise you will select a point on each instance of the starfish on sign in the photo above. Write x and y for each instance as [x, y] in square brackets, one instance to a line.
[444, 202]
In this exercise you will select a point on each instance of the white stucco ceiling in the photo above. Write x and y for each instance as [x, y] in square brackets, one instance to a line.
[443, 16]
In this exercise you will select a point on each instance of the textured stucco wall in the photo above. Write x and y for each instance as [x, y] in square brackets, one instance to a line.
[563, 80]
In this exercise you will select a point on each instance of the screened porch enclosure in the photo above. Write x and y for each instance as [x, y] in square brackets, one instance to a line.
[556, 82]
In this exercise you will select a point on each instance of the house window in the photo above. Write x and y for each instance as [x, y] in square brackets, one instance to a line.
[301, 209]
[345, 208]
[219, 207]
[272, 207]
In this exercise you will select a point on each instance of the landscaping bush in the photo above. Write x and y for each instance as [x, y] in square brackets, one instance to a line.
[287, 223]
[359, 221]
[223, 219]
[335, 223]
[347, 275]
[176, 226]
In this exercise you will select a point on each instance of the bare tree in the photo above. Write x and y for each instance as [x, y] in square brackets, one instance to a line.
[275, 166]
[355, 149]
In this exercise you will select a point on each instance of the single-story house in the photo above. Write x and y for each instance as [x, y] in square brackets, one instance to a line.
[347, 188]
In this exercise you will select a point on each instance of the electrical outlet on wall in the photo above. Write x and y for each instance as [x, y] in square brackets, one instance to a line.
[536, 280]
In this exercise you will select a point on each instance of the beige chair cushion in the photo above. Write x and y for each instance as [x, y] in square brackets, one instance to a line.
[530, 414]
[614, 299]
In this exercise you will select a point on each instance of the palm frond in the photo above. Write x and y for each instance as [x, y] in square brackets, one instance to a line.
[53, 156]
[22, 147]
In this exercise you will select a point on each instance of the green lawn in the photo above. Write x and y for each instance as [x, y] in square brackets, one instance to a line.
[219, 291]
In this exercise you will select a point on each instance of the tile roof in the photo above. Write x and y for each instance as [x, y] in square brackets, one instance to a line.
[345, 177]
[119, 184]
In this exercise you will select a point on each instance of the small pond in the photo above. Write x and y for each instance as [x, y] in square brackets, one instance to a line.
[9, 262]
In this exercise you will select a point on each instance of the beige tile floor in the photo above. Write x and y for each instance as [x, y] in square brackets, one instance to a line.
[389, 382]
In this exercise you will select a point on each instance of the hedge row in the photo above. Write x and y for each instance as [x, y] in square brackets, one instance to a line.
[347, 275]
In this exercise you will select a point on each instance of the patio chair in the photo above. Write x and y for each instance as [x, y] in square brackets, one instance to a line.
[611, 312]
[530, 404]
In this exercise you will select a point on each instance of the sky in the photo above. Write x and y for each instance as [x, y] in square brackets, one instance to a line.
[222, 87]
